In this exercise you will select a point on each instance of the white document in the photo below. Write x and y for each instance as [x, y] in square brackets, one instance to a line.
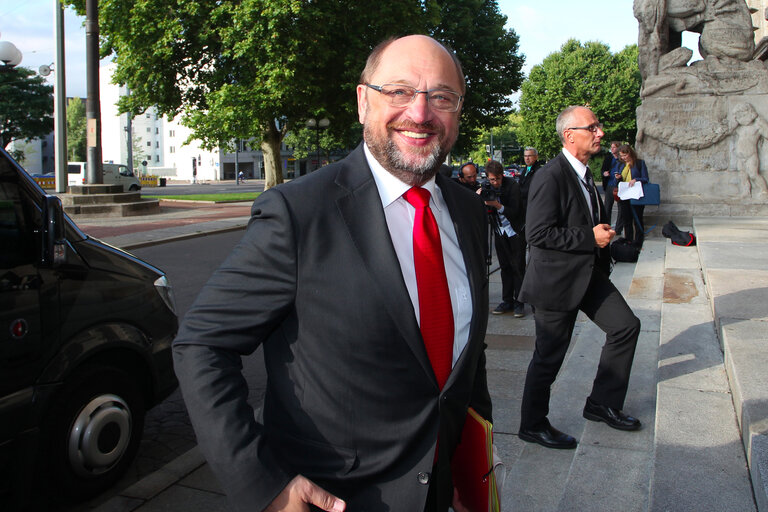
[633, 192]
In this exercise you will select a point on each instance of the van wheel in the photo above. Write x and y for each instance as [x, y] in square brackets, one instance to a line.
[133, 188]
[94, 431]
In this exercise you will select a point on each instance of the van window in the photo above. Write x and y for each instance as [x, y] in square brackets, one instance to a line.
[16, 236]
[74, 169]
[124, 171]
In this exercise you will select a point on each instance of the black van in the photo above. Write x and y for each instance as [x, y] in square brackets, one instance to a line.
[85, 337]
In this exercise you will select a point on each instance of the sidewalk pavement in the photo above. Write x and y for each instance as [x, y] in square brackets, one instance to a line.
[698, 382]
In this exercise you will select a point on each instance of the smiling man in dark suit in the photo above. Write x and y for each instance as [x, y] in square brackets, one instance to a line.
[568, 236]
[362, 380]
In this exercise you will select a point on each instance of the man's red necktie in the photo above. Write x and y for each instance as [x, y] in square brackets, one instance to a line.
[435, 312]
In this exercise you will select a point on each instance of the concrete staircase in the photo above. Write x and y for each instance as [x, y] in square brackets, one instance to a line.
[689, 454]
[106, 201]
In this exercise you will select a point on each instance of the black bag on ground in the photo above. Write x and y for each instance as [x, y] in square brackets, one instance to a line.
[683, 238]
[625, 250]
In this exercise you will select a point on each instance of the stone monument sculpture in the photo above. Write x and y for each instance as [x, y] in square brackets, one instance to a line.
[702, 127]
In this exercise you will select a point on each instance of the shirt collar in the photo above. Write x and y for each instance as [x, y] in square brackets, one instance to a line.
[391, 188]
[578, 166]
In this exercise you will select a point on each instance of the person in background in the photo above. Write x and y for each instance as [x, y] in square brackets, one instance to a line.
[632, 171]
[468, 176]
[568, 236]
[609, 170]
[507, 213]
[532, 164]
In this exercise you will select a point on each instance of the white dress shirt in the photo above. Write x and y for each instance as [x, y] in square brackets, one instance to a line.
[581, 172]
[400, 217]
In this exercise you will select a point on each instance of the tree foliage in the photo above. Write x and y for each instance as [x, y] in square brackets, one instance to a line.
[488, 52]
[581, 74]
[257, 69]
[26, 105]
[77, 134]
[504, 138]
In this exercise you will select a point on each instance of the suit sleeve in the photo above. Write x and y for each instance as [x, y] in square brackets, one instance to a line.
[235, 312]
[546, 225]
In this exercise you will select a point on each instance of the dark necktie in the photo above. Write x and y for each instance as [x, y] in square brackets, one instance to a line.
[435, 312]
[590, 186]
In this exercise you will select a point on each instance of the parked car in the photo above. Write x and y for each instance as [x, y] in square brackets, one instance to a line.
[113, 174]
[85, 337]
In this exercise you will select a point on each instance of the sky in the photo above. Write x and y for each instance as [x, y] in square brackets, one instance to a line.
[543, 27]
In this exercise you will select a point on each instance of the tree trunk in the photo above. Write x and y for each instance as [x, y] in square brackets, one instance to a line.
[273, 163]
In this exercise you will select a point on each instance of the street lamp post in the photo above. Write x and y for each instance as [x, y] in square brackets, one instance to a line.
[314, 124]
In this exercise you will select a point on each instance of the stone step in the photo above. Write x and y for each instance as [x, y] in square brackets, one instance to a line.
[144, 207]
[111, 198]
[541, 479]
[688, 456]
[699, 461]
[732, 252]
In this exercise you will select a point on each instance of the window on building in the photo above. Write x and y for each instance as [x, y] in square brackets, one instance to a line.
[149, 129]
[157, 158]
[171, 149]
[149, 116]
[157, 130]
[149, 144]
[172, 133]
[157, 144]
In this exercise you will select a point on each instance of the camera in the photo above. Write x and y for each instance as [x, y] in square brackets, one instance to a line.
[487, 193]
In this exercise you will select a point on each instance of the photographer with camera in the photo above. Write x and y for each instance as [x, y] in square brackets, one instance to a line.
[503, 200]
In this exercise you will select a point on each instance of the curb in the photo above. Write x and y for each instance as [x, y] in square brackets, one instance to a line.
[153, 484]
[176, 238]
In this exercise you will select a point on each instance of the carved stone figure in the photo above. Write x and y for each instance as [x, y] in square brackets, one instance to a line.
[702, 127]
[725, 27]
[749, 128]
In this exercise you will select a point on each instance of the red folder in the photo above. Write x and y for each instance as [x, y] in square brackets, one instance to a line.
[472, 466]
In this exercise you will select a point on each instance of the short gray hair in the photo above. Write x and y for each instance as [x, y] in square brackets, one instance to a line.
[529, 148]
[563, 120]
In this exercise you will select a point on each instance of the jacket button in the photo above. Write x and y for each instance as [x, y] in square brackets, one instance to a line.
[423, 478]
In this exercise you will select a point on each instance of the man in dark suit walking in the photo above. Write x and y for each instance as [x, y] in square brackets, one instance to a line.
[366, 368]
[568, 271]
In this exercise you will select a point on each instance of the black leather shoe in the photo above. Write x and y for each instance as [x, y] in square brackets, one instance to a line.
[612, 417]
[550, 437]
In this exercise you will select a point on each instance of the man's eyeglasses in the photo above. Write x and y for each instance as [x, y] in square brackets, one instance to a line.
[592, 128]
[401, 96]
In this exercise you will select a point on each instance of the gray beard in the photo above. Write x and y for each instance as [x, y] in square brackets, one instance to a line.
[392, 159]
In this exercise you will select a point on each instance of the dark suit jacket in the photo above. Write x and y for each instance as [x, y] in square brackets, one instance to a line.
[509, 196]
[351, 400]
[560, 238]
[525, 184]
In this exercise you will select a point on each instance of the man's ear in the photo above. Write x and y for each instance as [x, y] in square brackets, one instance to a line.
[362, 104]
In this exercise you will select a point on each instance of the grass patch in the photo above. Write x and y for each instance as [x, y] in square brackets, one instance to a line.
[219, 198]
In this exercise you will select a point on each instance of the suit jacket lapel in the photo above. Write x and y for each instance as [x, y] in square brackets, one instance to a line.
[360, 206]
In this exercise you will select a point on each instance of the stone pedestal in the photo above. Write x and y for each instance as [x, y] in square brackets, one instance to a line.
[709, 153]
[106, 200]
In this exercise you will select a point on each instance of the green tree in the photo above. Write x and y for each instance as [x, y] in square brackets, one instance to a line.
[489, 56]
[249, 68]
[504, 139]
[257, 69]
[580, 74]
[77, 133]
[26, 105]
[139, 153]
